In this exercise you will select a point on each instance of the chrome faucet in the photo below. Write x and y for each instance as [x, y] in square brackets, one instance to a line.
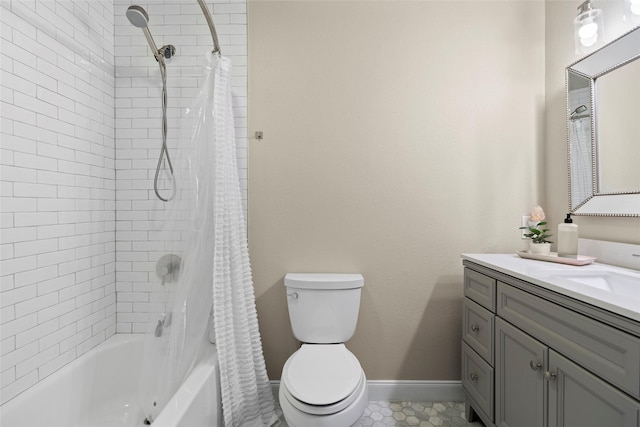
[162, 323]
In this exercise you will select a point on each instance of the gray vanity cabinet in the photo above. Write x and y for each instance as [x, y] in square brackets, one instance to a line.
[547, 361]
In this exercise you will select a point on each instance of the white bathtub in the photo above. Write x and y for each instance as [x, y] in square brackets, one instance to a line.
[100, 389]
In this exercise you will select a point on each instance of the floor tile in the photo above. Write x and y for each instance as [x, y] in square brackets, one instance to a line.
[409, 414]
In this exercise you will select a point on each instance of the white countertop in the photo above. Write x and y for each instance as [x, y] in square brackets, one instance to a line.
[593, 284]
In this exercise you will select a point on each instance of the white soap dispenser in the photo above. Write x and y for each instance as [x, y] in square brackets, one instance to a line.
[568, 238]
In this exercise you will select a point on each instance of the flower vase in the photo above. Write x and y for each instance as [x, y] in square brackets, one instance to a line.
[539, 248]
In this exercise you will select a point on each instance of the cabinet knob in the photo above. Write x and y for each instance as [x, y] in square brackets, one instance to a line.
[473, 377]
[475, 328]
[549, 376]
[535, 365]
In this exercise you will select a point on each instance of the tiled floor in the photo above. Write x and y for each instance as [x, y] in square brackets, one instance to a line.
[405, 414]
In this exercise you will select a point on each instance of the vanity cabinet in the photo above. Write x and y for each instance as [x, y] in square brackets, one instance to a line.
[553, 364]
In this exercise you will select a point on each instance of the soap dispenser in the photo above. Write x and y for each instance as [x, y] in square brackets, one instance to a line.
[568, 238]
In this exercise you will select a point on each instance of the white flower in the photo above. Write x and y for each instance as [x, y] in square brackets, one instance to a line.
[537, 214]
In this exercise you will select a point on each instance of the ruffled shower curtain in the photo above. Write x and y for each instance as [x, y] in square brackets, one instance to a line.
[214, 297]
[247, 400]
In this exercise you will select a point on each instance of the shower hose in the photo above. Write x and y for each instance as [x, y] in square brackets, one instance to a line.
[164, 152]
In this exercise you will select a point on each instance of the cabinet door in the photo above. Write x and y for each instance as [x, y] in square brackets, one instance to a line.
[578, 398]
[520, 385]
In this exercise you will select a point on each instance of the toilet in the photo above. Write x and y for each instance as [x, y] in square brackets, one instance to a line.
[322, 383]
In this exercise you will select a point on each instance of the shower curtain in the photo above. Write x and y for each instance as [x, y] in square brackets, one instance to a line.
[214, 296]
[246, 393]
[581, 161]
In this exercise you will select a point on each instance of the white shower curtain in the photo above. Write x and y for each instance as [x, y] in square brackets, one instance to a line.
[247, 399]
[206, 217]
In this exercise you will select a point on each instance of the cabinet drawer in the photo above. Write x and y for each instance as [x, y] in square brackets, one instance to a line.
[608, 352]
[480, 288]
[477, 379]
[477, 329]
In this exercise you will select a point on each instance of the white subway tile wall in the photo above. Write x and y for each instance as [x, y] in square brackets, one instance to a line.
[58, 186]
[145, 229]
[81, 134]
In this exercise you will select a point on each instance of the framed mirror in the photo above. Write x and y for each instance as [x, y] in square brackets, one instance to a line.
[603, 129]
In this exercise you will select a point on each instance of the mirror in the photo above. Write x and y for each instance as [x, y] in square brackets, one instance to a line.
[603, 126]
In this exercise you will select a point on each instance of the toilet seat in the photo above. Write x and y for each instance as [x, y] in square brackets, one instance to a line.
[322, 378]
[324, 409]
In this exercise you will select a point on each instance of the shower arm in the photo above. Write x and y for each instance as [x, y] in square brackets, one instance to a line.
[212, 27]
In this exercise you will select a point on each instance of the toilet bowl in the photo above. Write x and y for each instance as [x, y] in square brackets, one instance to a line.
[322, 383]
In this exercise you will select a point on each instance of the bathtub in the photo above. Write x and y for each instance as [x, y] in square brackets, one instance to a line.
[100, 389]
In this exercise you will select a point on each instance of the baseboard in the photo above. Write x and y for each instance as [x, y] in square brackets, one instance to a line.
[408, 391]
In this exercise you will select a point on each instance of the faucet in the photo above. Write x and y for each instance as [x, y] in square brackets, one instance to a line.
[162, 323]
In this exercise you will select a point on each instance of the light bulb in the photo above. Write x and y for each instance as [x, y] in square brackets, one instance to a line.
[589, 41]
[588, 29]
[632, 11]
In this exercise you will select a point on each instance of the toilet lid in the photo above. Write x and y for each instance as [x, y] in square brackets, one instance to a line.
[322, 374]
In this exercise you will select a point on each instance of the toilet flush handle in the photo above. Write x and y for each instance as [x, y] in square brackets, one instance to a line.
[293, 295]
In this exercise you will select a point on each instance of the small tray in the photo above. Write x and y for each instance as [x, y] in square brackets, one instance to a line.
[553, 257]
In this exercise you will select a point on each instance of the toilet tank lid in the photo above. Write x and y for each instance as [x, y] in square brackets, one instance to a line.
[323, 281]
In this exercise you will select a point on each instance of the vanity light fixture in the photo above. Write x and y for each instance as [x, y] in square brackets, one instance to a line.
[631, 10]
[588, 28]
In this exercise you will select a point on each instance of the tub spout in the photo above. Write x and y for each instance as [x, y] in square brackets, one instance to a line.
[163, 323]
[159, 328]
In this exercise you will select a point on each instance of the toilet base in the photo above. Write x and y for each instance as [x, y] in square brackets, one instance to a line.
[345, 418]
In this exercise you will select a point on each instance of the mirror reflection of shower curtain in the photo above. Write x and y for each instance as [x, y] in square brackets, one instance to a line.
[581, 159]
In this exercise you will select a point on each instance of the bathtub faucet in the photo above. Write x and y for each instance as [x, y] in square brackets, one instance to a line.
[163, 323]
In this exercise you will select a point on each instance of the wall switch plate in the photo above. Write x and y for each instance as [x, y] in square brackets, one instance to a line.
[524, 222]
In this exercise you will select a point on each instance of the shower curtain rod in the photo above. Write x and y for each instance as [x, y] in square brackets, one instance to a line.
[212, 27]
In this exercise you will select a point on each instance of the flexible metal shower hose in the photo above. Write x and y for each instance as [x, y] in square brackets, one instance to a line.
[163, 151]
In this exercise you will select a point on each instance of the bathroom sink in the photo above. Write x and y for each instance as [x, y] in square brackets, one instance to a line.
[618, 284]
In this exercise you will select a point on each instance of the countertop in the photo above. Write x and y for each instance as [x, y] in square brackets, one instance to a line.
[611, 288]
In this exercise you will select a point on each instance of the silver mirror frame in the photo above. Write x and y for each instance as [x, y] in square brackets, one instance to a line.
[617, 53]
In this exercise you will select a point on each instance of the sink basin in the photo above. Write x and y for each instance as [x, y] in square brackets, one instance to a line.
[619, 284]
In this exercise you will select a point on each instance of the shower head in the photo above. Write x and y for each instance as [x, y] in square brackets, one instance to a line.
[138, 16]
[578, 110]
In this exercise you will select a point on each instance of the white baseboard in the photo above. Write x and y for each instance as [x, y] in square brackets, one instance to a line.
[408, 391]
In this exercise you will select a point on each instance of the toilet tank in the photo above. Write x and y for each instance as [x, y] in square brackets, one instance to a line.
[323, 308]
